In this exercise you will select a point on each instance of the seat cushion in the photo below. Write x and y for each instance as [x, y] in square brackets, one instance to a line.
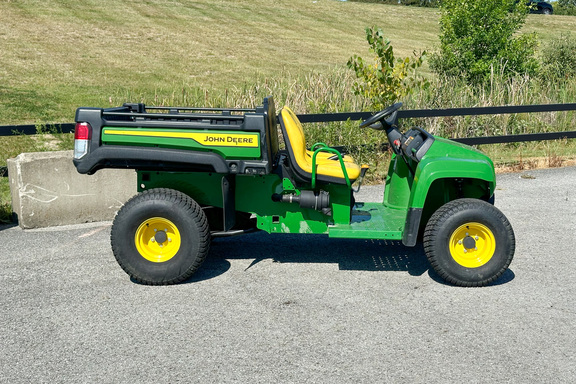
[322, 157]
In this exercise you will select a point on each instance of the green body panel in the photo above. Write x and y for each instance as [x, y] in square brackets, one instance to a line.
[450, 160]
[254, 195]
[372, 221]
[409, 185]
[399, 183]
[229, 145]
[205, 188]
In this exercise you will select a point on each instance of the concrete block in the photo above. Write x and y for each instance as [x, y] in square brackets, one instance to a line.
[48, 191]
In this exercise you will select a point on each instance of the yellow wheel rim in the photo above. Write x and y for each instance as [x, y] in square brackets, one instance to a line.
[472, 245]
[157, 240]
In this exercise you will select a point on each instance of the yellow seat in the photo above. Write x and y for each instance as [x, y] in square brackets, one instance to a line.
[328, 169]
[324, 157]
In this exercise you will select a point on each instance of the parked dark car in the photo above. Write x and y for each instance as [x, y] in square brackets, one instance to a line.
[541, 7]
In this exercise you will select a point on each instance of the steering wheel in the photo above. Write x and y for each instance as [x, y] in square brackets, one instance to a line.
[381, 115]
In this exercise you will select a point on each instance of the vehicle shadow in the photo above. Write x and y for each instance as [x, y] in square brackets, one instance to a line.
[349, 254]
[506, 277]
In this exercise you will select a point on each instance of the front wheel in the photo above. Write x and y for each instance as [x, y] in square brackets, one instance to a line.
[469, 242]
[160, 236]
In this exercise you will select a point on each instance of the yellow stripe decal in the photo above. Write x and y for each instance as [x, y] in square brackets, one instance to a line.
[249, 140]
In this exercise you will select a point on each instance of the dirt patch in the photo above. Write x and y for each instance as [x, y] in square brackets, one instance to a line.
[552, 161]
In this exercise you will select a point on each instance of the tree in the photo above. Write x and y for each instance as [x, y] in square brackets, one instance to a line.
[389, 78]
[479, 37]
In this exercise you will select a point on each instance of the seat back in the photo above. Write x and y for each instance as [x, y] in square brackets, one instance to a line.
[295, 140]
[327, 170]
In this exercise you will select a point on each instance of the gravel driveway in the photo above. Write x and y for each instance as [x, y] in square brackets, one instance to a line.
[296, 309]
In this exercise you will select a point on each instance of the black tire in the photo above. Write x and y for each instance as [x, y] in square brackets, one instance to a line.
[150, 256]
[469, 242]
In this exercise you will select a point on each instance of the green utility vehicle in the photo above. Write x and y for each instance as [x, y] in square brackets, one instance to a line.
[205, 173]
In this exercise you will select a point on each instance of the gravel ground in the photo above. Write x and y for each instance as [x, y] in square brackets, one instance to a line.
[295, 309]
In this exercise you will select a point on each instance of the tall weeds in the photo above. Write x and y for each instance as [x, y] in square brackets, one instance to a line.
[332, 92]
[450, 93]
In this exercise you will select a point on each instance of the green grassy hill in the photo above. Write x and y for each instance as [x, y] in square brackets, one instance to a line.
[58, 55]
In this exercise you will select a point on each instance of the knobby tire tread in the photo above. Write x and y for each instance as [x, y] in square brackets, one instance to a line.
[183, 201]
[450, 209]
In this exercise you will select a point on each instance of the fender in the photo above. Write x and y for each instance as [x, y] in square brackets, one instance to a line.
[445, 160]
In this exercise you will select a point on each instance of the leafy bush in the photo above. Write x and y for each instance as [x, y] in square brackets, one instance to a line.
[559, 58]
[569, 6]
[479, 38]
[565, 7]
[569, 10]
[389, 78]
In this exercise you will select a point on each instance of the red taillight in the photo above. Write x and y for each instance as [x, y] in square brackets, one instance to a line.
[83, 131]
[82, 136]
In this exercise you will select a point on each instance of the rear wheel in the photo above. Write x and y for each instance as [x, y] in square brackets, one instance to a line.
[160, 236]
[469, 242]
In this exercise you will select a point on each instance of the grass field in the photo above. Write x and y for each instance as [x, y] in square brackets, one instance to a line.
[58, 55]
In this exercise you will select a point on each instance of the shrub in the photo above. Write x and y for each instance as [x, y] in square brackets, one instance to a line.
[565, 7]
[567, 10]
[389, 78]
[479, 38]
[559, 58]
